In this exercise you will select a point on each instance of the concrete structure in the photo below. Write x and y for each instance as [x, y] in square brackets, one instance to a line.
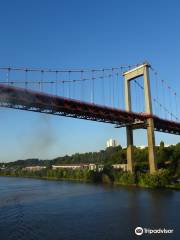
[111, 143]
[34, 168]
[120, 167]
[142, 70]
[70, 166]
[89, 166]
[92, 166]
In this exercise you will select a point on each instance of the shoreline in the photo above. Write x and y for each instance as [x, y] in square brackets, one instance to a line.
[115, 184]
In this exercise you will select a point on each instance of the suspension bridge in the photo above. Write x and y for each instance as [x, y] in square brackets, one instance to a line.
[123, 96]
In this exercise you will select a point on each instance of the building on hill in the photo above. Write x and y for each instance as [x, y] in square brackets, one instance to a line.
[89, 166]
[111, 143]
[70, 166]
[34, 168]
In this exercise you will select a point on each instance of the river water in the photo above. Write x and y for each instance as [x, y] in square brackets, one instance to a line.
[33, 209]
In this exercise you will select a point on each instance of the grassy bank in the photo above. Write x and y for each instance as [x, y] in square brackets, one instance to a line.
[161, 179]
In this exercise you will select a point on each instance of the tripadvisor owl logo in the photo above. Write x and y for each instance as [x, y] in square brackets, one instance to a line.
[139, 231]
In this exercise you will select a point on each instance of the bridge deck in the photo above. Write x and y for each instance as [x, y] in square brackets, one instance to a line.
[24, 99]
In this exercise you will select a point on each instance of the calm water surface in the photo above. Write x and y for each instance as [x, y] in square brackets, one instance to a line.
[44, 210]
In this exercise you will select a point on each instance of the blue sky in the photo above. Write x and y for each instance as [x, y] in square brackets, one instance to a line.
[82, 33]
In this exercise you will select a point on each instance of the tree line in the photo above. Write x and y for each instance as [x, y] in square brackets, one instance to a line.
[168, 159]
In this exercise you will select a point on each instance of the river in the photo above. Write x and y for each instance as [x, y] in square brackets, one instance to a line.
[32, 209]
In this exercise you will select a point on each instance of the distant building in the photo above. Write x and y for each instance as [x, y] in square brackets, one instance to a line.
[3, 167]
[70, 166]
[89, 166]
[34, 168]
[92, 166]
[111, 143]
[96, 167]
[120, 166]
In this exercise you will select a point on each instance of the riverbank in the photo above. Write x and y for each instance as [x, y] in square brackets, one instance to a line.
[161, 179]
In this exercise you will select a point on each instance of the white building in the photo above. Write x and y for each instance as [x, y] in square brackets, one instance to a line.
[120, 166]
[89, 166]
[70, 166]
[111, 143]
[34, 168]
[92, 166]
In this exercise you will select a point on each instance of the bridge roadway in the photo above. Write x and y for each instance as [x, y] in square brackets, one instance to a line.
[30, 100]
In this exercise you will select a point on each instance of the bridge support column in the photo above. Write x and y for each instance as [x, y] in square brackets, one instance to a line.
[150, 122]
[130, 160]
[129, 130]
[151, 146]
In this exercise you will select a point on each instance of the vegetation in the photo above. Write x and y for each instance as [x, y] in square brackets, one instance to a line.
[160, 179]
[168, 159]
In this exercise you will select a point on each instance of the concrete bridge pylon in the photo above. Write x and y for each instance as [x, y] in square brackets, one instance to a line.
[142, 70]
